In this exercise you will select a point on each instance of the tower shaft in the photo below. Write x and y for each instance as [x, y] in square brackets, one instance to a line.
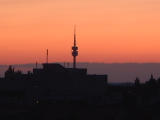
[74, 62]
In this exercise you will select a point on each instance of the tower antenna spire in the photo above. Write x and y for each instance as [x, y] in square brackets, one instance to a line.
[74, 49]
[74, 35]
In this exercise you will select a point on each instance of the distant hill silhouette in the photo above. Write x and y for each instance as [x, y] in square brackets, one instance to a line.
[118, 72]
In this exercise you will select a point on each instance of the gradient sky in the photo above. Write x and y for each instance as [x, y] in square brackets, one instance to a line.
[107, 30]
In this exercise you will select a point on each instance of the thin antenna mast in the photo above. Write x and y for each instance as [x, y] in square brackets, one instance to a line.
[47, 57]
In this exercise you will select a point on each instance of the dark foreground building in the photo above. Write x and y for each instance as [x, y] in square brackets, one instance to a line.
[54, 82]
[51, 83]
[58, 93]
[49, 89]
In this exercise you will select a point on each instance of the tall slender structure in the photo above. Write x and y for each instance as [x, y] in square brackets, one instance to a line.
[47, 57]
[74, 49]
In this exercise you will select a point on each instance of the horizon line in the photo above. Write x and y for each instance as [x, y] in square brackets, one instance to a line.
[83, 63]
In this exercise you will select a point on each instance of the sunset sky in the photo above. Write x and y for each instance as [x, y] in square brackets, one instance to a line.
[107, 30]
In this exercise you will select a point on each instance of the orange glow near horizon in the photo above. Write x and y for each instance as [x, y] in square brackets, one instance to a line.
[107, 31]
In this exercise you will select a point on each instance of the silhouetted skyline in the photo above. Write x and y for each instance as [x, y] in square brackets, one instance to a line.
[54, 91]
[116, 76]
[117, 72]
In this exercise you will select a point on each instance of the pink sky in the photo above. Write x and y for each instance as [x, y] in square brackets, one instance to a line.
[107, 31]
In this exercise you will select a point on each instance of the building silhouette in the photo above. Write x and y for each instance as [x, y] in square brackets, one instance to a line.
[53, 82]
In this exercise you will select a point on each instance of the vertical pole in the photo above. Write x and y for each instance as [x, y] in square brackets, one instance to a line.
[47, 57]
[74, 62]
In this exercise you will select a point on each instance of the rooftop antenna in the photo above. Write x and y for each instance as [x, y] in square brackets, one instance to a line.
[74, 49]
[47, 57]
